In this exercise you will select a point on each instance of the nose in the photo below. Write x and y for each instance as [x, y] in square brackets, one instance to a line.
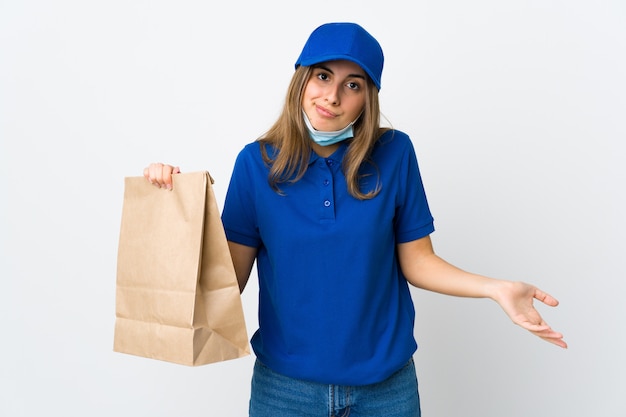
[332, 94]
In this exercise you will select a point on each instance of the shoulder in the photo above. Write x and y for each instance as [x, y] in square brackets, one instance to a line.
[249, 161]
[257, 148]
[394, 142]
[394, 136]
[394, 153]
[250, 153]
[251, 149]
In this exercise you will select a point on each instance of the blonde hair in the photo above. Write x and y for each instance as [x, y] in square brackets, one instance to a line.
[292, 144]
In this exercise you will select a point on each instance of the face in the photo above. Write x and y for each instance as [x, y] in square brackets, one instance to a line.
[334, 95]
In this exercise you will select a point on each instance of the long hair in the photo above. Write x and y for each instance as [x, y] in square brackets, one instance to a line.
[292, 145]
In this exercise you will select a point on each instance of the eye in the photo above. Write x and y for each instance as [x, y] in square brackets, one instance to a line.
[353, 85]
[322, 76]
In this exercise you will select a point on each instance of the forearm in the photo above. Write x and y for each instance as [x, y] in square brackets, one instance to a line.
[435, 274]
[243, 258]
[426, 270]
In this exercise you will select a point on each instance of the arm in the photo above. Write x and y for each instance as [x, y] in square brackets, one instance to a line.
[243, 259]
[424, 269]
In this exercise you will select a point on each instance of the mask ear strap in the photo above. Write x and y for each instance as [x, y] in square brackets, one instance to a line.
[357, 118]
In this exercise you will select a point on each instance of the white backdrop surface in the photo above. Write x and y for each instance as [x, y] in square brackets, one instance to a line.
[517, 111]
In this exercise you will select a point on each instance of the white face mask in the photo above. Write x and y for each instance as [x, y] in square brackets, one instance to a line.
[328, 138]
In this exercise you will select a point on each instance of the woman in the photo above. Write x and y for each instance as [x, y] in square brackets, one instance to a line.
[332, 208]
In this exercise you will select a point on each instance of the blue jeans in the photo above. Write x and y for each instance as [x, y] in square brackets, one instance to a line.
[275, 395]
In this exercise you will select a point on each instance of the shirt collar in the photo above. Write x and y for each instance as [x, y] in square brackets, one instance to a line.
[336, 156]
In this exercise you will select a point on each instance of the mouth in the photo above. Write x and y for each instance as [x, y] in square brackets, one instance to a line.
[325, 112]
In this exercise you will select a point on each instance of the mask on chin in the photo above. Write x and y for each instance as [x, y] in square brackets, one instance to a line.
[328, 138]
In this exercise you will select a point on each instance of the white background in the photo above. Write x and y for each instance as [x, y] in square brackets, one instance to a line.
[517, 112]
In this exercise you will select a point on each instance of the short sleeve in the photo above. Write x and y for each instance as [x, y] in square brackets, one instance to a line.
[413, 216]
[238, 215]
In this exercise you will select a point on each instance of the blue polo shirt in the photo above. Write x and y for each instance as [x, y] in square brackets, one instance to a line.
[334, 306]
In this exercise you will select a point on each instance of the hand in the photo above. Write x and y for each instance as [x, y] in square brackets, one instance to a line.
[160, 174]
[516, 299]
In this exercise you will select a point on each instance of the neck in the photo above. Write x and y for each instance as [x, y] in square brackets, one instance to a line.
[324, 151]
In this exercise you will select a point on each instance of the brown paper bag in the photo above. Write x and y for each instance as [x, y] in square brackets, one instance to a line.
[177, 297]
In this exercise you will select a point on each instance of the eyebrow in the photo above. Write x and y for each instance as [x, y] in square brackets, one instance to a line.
[361, 76]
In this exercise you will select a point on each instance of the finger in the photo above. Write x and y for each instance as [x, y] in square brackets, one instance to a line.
[166, 174]
[557, 339]
[160, 174]
[534, 327]
[156, 174]
[546, 298]
[550, 335]
[150, 173]
[532, 322]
